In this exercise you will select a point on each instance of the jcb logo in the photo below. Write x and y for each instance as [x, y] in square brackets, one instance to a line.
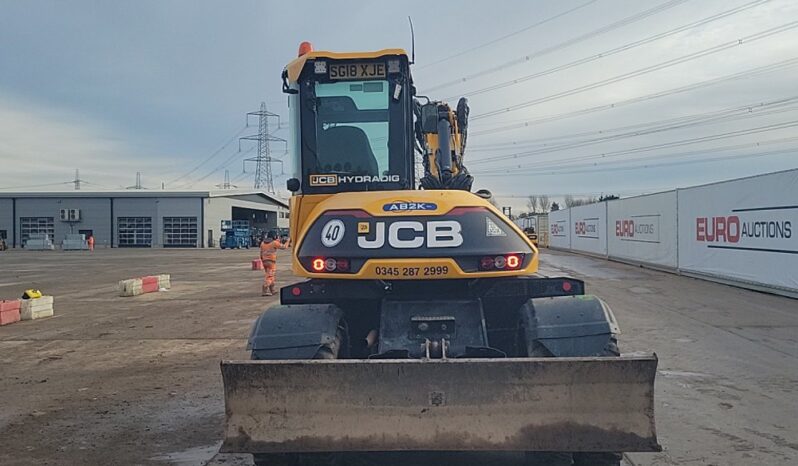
[412, 235]
[324, 180]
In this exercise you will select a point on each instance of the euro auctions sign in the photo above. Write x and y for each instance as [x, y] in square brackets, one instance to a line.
[587, 228]
[644, 228]
[558, 228]
[765, 229]
[742, 229]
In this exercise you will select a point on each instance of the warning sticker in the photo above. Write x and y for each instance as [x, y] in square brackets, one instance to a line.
[493, 229]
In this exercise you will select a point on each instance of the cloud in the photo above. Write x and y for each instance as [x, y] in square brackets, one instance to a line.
[41, 145]
[113, 88]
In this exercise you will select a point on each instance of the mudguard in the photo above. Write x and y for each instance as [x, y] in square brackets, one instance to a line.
[569, 326]
[294, 331]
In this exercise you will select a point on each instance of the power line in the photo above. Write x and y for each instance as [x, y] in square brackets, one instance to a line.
[221, 166]
[210, 157]
[567, 165]
[240, 176]
[792, 150]
[526, 58]
[696, 118]
[655, 127]
[507, 36]
[778, 66]
[613, 51]
[594, 193]
[645, 70]
[30, 186]
[666, 145]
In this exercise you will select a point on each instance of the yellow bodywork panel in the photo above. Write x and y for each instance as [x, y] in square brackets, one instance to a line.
[295, 67]
[306, 209]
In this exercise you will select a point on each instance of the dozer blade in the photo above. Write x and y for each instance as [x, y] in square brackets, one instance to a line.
[533, 404]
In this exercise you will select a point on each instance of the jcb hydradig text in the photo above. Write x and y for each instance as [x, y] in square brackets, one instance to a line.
[421, 324]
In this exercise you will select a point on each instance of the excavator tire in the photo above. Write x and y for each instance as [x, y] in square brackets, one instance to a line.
[575, 459]
[601, 459]
[329, 351]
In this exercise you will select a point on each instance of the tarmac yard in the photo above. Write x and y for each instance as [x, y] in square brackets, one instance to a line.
[112, 380]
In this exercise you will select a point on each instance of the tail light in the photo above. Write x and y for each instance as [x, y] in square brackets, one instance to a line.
[330, 264]
[343, 265]
[502, 262]
[318, 264]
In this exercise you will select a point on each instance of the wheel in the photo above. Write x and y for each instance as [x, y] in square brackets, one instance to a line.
[329, 351]
[575, 459]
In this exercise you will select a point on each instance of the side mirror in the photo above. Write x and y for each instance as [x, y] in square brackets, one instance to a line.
[293, 185]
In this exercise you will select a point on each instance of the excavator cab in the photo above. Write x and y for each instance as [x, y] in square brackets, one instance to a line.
[420, 322]
[353, 121]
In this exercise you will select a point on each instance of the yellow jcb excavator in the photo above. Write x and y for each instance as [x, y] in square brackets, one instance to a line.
[421, 324]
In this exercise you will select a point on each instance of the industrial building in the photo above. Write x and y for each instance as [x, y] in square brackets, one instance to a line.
[136, 218]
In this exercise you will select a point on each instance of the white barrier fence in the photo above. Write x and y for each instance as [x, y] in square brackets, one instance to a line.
[560, 229]
[643, 229]
[589, 228]
[740, 231]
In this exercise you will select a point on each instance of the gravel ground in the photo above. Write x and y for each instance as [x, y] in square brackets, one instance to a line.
[113, 380]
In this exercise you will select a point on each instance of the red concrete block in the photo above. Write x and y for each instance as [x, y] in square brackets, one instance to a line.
[149, 284]
[9, 305]
[148, 280]
[9, 316]
[257, 264]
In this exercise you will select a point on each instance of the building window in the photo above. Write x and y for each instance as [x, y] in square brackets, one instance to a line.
[134, 232]
[36, 225]
[180, 232]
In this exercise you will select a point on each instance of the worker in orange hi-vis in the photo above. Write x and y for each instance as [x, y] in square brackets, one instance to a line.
[90, 241]
[268, 255]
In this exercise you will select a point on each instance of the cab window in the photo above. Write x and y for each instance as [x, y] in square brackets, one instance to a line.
[352, 127]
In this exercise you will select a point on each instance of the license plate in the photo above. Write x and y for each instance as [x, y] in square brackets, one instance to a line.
[357, 71]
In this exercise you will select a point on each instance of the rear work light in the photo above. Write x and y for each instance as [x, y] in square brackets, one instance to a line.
[330, 264]
[502, 262]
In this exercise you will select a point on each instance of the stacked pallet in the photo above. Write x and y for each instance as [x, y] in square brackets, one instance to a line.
[9, 312]
[148, 284]
[36, 308]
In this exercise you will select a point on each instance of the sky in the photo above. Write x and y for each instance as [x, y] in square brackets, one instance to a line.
[582, 97]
